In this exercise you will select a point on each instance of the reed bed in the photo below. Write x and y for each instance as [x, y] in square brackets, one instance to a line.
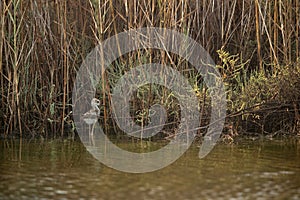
[42, 44]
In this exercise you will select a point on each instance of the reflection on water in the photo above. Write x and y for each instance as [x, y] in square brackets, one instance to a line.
[65, 170]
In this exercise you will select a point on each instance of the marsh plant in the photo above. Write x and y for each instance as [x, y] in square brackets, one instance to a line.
[43, 43]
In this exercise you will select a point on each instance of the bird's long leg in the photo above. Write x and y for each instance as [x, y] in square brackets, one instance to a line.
[92, 135]
[93, 127]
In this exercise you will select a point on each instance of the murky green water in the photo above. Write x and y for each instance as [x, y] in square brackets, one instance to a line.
[261, 169]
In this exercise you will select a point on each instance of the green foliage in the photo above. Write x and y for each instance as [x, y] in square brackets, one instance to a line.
[266, 99]
[149, 94]
[233, 72]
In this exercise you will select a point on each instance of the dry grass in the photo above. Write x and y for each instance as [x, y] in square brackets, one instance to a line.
[43, 43]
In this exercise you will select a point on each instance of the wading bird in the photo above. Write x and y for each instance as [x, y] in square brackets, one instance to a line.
[91, 117]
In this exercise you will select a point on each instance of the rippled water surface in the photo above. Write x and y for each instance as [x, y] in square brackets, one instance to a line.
[261, 169]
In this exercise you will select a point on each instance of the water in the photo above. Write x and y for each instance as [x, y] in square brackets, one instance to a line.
[261, 169]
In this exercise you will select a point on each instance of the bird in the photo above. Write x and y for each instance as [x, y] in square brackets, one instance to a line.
[91, 117]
